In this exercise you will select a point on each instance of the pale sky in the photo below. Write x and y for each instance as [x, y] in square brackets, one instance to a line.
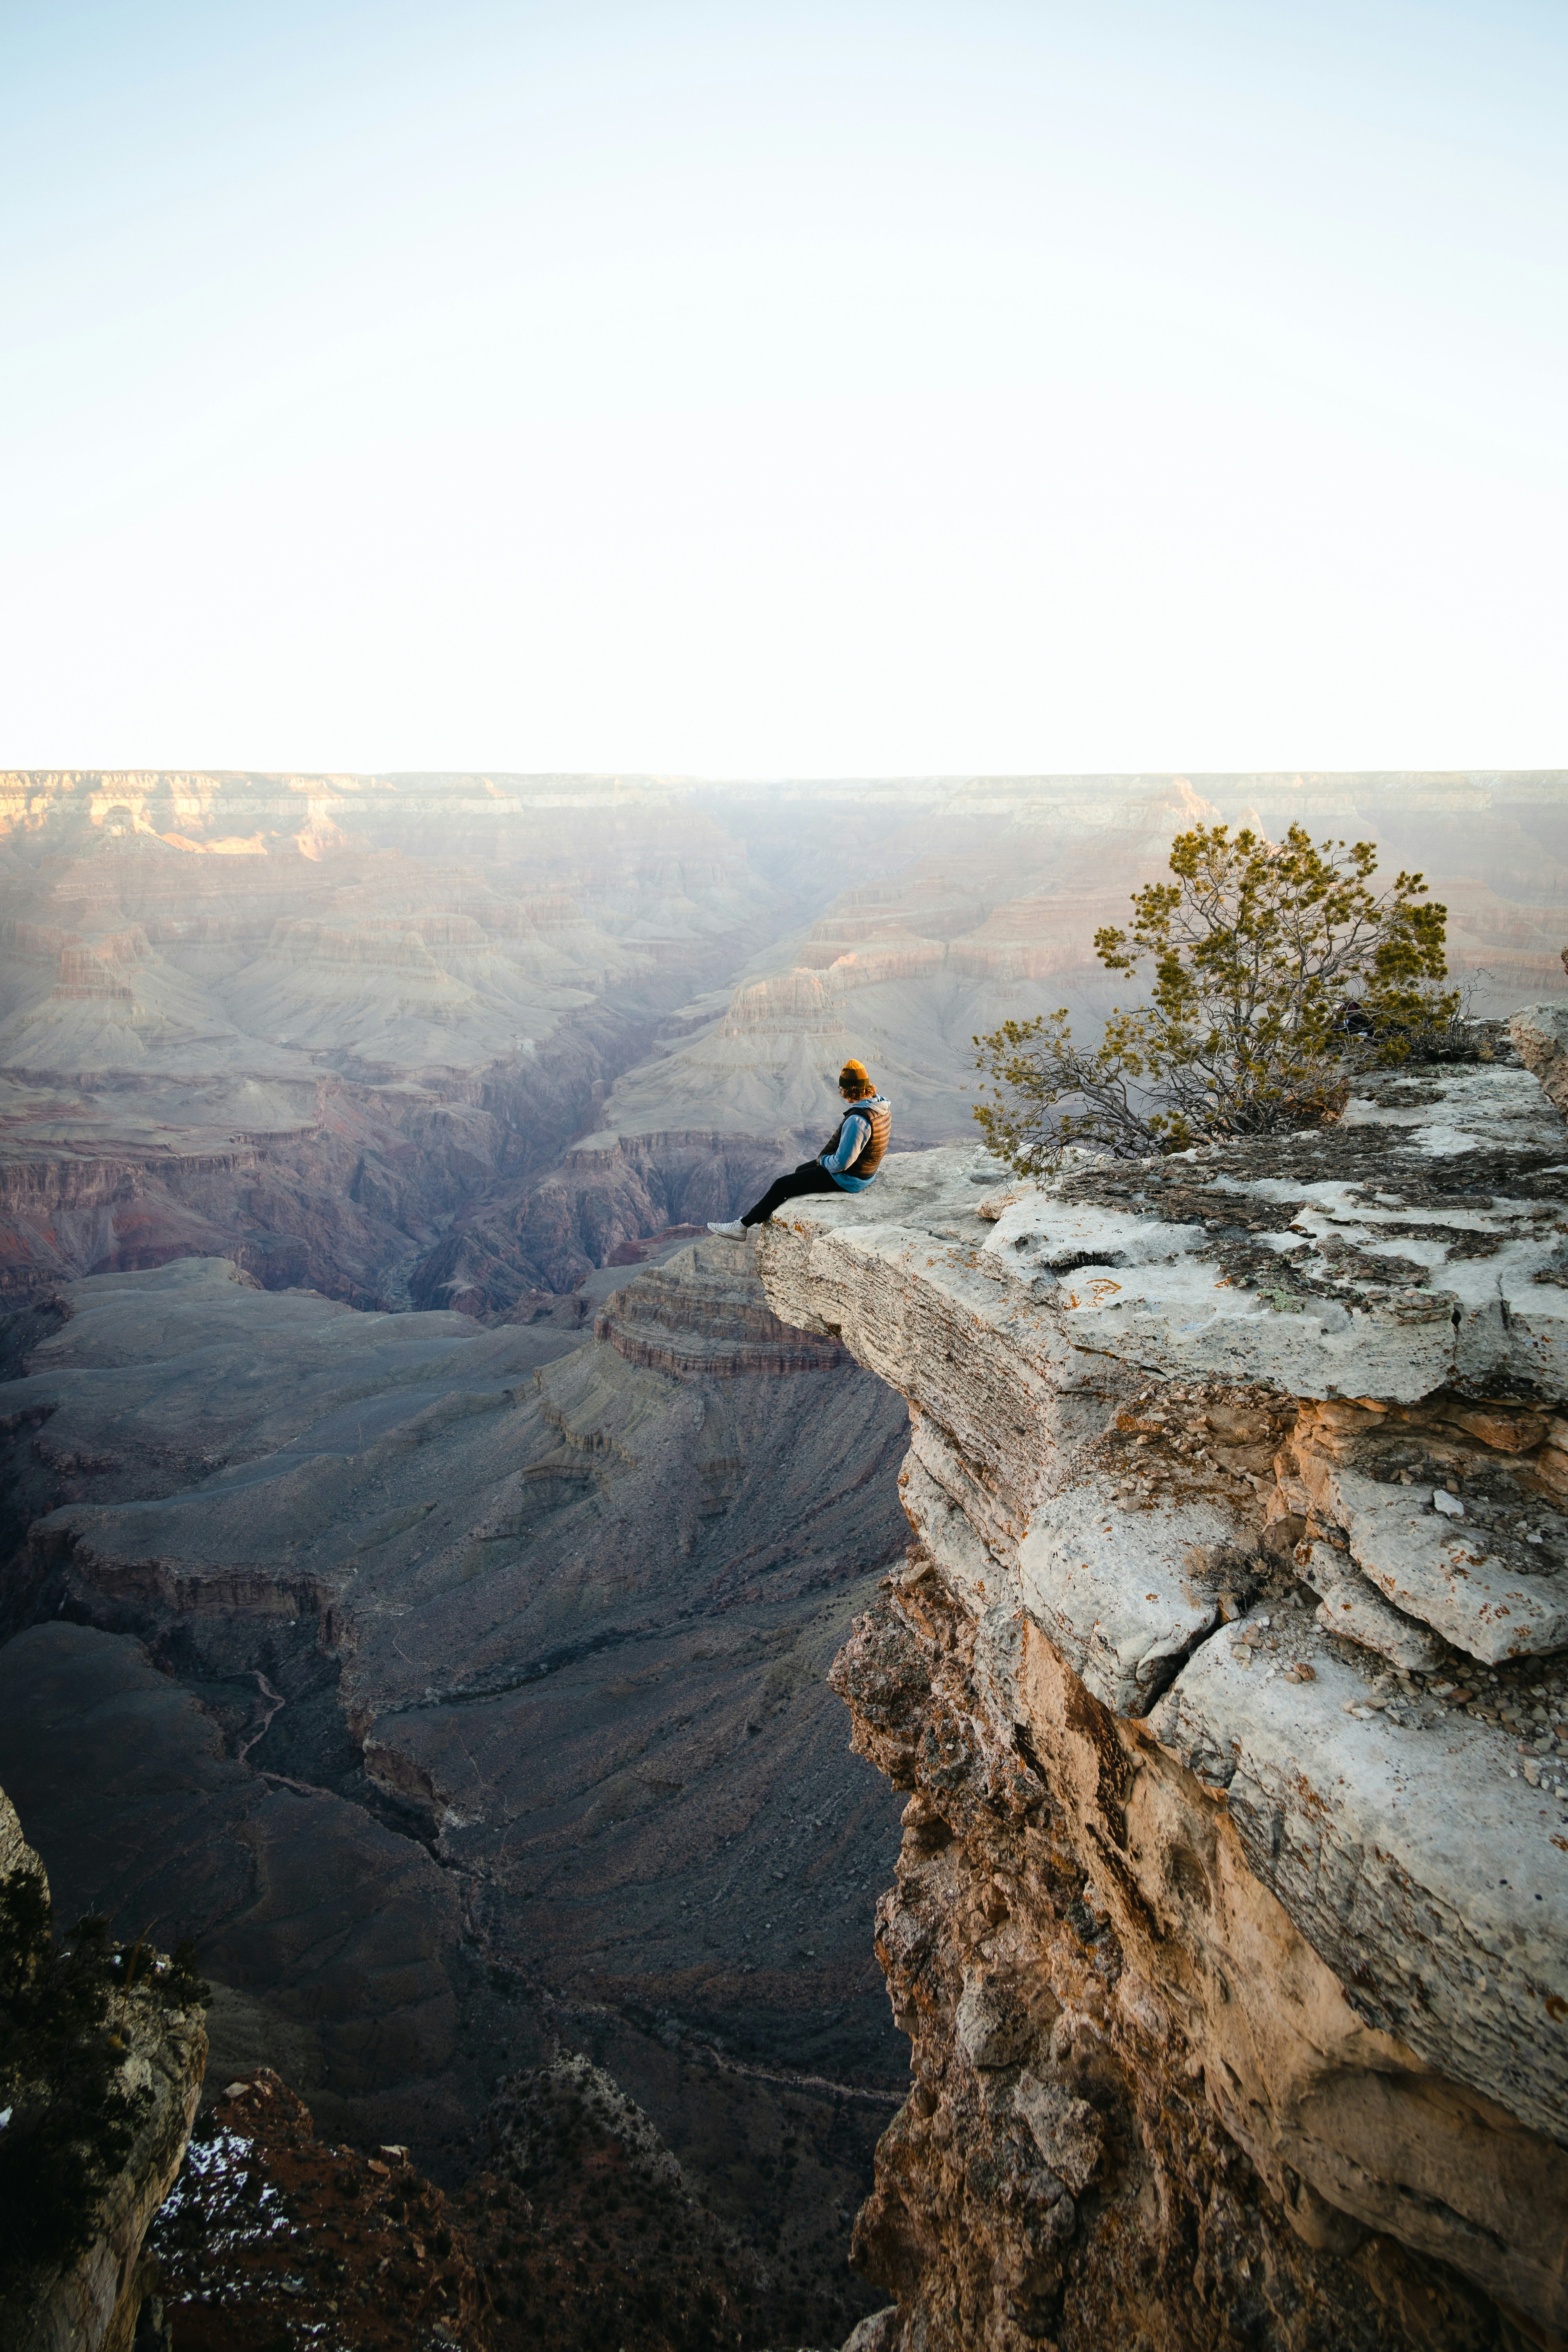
[734, 389]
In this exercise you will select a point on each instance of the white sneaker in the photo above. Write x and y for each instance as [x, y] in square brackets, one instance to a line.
[731, 1228]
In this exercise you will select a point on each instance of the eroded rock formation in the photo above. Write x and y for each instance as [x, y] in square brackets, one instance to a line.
[577, 2228]
[463, 1691]
[705, 1316]
[100, 2066]
[275, 2235]
[1225, 1678]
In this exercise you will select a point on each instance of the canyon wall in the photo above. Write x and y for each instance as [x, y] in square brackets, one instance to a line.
[309, 1022]
[100, 2065]
[463, 1691]
[451, 1041]
[970, 900]
[1225, 1682]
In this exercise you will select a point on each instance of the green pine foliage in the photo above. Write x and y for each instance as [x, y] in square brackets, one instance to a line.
[1274, 970]
[72, 2119]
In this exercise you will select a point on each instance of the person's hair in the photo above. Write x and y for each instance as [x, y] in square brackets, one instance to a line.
[855, 1080]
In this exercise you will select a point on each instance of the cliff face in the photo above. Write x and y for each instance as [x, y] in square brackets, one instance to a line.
[701, 1314]
[84, 2295]
[1226, 1677]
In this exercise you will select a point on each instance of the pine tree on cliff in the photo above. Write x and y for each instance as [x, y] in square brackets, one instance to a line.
[1276, 968]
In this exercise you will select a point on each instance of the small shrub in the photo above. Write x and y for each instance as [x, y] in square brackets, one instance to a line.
[1274, 970]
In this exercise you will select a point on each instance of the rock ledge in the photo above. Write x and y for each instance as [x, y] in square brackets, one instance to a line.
[1227, 1677]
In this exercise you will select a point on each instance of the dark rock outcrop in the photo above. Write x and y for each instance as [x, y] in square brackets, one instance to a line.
[577, 2227]
[102, 2055]
[274, 2234]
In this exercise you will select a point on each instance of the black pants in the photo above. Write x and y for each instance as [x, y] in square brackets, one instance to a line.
[811, 1176]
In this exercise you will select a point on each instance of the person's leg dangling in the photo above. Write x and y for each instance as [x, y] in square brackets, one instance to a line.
[810, 1177]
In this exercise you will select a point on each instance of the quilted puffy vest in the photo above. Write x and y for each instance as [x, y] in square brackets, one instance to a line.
[880, 1113]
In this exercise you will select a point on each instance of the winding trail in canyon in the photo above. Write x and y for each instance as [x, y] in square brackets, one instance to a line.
[276, 1702]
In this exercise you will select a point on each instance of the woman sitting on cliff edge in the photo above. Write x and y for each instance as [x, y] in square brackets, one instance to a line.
[846, 1164]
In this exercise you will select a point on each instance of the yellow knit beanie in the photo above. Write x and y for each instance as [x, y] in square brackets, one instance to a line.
[855, 1080]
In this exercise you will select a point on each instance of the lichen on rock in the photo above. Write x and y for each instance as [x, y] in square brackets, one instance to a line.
[1226, 1676]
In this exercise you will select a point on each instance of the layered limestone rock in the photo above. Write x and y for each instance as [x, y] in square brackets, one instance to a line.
[1226, 1676]
[90, 2298]
[1540, 1035]
[700, 1315]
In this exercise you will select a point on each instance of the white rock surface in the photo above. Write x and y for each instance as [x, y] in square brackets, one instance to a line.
[1357, 1610]
[1209, 1496]
[1116, 1593]
[1411, 1863]
[1430, 1567]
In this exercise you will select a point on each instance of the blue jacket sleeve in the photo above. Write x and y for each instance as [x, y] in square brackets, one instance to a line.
[851, 1144]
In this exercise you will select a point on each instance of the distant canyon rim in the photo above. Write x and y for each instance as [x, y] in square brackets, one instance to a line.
[452, 1040]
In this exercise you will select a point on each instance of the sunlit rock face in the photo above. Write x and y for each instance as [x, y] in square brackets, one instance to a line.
[1225, 1678]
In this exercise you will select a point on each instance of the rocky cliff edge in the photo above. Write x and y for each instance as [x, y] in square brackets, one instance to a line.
[88, 2296]
[1226, 1677]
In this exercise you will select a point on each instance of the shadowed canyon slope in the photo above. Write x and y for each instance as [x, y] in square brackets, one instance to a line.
[453, 1040]
[462, 1690]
